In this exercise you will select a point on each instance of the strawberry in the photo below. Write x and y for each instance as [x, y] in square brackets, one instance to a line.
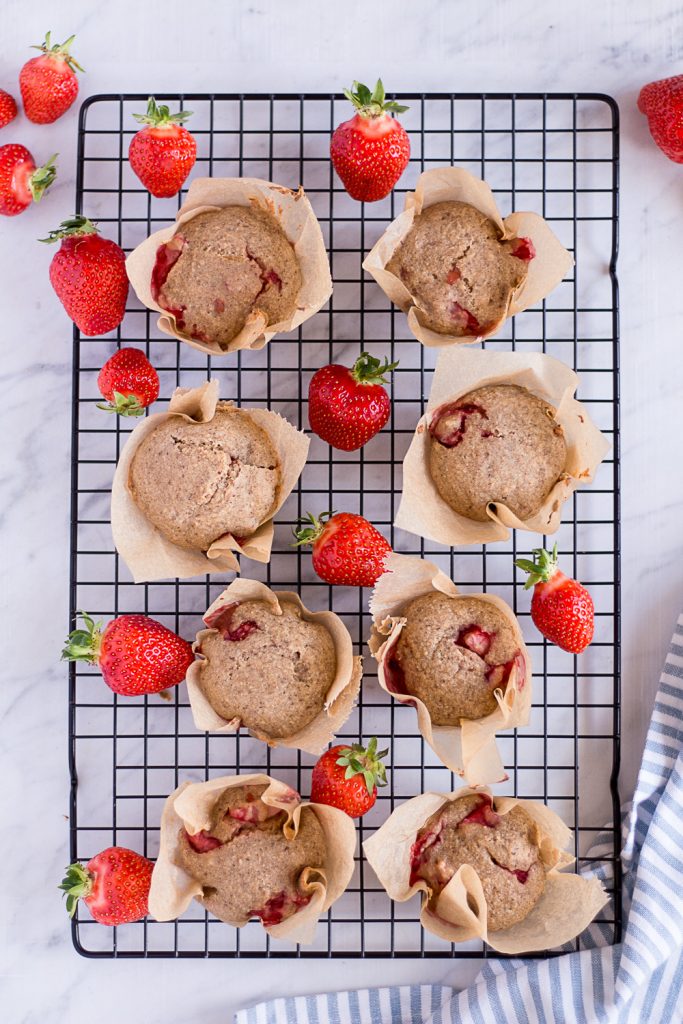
[114, 886]
[8, 108]
[163, 153]
[347, 549]
[21, 182]
[662, 104]
[561, 608]
[348, 777]
[135, 654]
[88, 273]
[129, 382]
[370, 151]
[348, 407]
[48, 83]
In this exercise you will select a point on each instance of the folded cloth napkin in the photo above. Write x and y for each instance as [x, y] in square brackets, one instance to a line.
[638, 980]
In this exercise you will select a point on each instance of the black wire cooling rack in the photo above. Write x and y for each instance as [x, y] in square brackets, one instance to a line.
[556, 154]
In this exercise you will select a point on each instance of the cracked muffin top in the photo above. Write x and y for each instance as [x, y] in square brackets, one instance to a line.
[222, 265]
[459, 271]
[198, 481]
[499, 443]
[271, 671]
[246, 864]
[502, 849]
[452, 653]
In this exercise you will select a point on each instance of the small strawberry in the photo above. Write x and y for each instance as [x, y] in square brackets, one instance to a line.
[88, 273]
[21, 182]
[662, 104]
[348, 777]
[114, 886]
[561, 608]
[48, 83]
[370, 151]
[135, 654]
[347, 549]
[348, 407]
[163, 153]
[129, 382]
[8, 108]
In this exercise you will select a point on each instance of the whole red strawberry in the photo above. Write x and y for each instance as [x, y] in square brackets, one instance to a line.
[21, 182]
[347, 549]
[8, 108]
[370, 151]
[88, 273]
[135, 654]
[114, 886]
[129, 382]
[48, 83]
[662, 104]
[561, 608]
[348, 407]
[163, 153]
[348, 777]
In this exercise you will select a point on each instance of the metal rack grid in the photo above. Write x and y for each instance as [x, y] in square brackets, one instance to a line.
[556, 154]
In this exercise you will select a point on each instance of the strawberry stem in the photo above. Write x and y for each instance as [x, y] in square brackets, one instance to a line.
[76, 884]
[60, 50]
[310, 533]
[543, 566]
[123, 405]
[160, 117]
[371, 104]
[84, 644]
[366, 762]
[368, 370]
[42, 178]
[76, 225]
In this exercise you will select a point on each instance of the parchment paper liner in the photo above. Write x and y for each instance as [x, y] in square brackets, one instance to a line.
[422, 510]
[300, 225]
[151, 556]
[568, 904]
[340, 697]
[190, 806]
[450, 184]
[469, 749]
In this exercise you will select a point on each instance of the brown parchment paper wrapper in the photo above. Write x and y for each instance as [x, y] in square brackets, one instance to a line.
[451, 184]
[568, 904]
[299, 223]
[469, 749]
[190, 806]
[340, 697]
[422, 510]
[151, 556]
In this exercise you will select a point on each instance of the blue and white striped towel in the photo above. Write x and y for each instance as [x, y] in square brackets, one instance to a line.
[635, 982]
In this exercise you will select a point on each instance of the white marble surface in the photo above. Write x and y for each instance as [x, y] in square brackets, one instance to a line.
[304, 45]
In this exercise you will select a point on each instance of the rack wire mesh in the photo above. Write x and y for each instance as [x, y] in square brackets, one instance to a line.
[556, 154]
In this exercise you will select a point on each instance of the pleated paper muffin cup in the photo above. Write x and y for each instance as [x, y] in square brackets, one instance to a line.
[423, 511]
[190, 807]
[455, 184]
[567, 906]
[468, 749]
[146, 551]
[340, 697]
[295, 215]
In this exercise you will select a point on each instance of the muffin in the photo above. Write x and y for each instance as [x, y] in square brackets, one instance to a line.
[499, 443]
[453, 653]
[246, 864]
[223, 265]
[459, 270]
[272, 672]
[197, 481]
[502, 849]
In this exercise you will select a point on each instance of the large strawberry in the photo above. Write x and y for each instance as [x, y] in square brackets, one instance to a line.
[21, 182]
[114, 886]
[347, 549]
[135, 654]
[348, 777]
[129, 382]
[88, 273]
[348, 407]
[48, 83]
[370, 151]
[662, 104]
[8, 108]
[163, 153]
[561, 609]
